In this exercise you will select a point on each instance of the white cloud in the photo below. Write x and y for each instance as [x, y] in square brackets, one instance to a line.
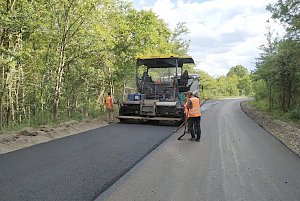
[223, 33]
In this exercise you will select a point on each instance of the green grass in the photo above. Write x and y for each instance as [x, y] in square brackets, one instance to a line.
[259, 105]
[292, 116]
[12, 128]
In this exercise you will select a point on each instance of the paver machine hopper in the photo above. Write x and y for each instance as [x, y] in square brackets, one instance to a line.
[161, 84]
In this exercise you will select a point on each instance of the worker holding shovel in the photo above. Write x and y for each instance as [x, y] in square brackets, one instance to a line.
[193, 105]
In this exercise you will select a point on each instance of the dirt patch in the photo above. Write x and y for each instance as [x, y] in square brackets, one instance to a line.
[29, 136]
[287, 133]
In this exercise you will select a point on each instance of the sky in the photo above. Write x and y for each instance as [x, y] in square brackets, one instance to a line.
[223, 33]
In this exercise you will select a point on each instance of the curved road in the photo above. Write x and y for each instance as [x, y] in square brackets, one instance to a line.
[235, 160]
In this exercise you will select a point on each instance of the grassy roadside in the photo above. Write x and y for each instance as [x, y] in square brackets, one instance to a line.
[289, 117]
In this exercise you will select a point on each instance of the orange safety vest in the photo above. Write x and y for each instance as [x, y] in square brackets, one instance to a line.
[186, 110]
[196, 110]
[108, 102]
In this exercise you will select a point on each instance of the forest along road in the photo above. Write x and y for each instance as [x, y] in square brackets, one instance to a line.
[235, 160]
[78, 167]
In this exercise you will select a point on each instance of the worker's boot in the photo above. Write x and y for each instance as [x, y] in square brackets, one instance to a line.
[198, 136]
[193, 136]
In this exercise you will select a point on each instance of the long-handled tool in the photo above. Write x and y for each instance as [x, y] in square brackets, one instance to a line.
[181, 125]
[185, 125]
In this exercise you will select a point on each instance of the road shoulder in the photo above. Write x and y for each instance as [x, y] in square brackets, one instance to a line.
[286, 133]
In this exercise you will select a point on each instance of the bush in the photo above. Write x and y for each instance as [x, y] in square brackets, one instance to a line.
[260, 105]
[260, 89]
[294, 114]
[96, 113]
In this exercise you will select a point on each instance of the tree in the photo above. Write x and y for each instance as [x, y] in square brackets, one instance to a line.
[58, 57]
[14, 32]
[209, 85]
[244, 81]
[180, 45]
[287, 12]
[238, 70]
[279, 65]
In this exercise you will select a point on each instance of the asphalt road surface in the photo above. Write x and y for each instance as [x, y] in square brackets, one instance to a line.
[236, 160]
[78, 167]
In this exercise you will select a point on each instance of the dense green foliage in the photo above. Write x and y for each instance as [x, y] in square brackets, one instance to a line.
[236, 83]
[277, 75]
[58, 58]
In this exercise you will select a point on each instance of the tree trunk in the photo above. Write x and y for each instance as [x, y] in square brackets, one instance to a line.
[111, 81]
[59, 76]
[1, 113]
[2, 95]
[10, 111]
[124, 90]
[289, 91]
[101, 95]
[57, 92]
[19, 92]
[270, 99]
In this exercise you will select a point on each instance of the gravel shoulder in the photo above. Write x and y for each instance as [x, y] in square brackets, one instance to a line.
[286, 133]
[27, 137]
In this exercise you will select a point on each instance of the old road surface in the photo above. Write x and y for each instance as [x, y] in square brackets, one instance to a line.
[235, 160]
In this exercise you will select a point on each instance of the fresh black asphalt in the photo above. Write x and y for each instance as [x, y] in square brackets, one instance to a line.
[78, 167]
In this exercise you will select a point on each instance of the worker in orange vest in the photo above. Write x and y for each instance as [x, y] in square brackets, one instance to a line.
[194, 116]
[109, 107]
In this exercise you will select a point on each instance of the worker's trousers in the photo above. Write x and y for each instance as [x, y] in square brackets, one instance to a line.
[110, 115]
[194, 127]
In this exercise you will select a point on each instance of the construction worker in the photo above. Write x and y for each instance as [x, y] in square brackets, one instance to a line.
[194, 116]
[146, 77]
[109, 108]
[183, 81]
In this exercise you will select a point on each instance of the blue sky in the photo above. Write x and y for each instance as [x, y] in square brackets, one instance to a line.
[223, 33]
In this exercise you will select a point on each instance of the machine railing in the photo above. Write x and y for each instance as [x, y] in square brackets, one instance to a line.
[158, 91]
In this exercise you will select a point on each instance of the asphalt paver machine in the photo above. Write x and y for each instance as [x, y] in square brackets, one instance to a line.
[161, 85]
